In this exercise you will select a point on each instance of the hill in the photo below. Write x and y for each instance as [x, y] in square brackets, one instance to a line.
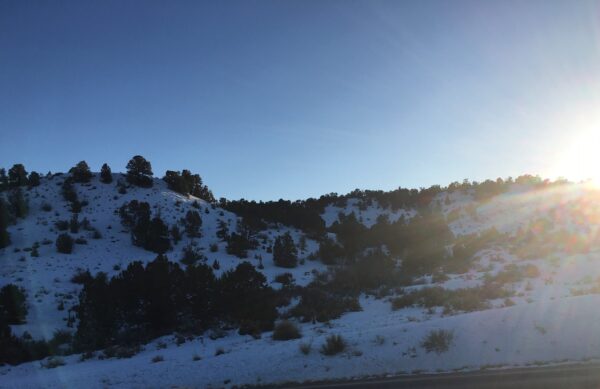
[164, 285]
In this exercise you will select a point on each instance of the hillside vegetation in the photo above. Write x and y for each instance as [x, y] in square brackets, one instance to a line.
[115, 271]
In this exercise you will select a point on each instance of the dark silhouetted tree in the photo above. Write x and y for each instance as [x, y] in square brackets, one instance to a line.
[81, 172]
[105, 174]
[3, 180]
[139, 172]
[193, 222]
[18, 204]
[4, 220]
[157, 236]
[34, 179]
[13, 307]
[17, 176]
[64, 244]
[285, 253]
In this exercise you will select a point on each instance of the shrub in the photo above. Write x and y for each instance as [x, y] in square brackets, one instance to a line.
[52, 363]
[334, 344]
[305, 348]
[81, 277]
[286, 330]
[191, 255]
[13, 307]
[62, 225]
[285, 279]
[158, 358]
[285, 253]
[319, 305]
[438, 341]
[466, 299]
[64, 244]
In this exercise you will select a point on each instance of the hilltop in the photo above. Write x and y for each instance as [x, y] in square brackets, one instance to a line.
[127, 280]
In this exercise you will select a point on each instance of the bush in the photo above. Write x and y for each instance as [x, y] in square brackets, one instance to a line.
[285, 279]
[13, 307]
[305, 348]
[285, 253]
[286, 330]
[81, 277]
[319, 305]
[158, 358]
[438, 341]
[61, 225]
[334, 344]
[466, 299]
[64, 244]
[52, 363]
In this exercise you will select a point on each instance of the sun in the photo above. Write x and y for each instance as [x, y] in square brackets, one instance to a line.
[579, 159]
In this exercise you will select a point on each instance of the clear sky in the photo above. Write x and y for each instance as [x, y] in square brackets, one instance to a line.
[292, 99]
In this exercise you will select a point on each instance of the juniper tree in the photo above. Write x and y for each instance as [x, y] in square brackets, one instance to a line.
[3, 180]
[81, 172]
[34, 179]
[105, 174]
[285, 253]
[4, 219]
[139, 172]
[18, 204]
[17, 176]
[193, 222]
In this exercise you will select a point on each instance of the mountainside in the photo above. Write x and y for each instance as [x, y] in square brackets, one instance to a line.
[469, 276]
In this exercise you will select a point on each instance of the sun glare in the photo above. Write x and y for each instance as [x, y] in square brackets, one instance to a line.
[579, 158]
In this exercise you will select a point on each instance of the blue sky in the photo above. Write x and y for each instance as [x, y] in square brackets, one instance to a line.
[292, 99]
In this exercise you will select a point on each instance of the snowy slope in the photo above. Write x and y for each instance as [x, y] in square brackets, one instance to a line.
[549, 318]
[47, 278]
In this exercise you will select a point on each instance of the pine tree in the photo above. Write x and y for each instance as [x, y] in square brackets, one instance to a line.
[34, 179]
[105, 174]
[12, 304]
[81, 172]
[193, 222]
[64, 243]
[17, 176]
[3, 180]
[18, 205]
[139, 172]
[4, 219]
[285, 253]
[157, 236]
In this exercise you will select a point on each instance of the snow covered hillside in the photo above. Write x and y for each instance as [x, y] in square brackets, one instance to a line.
[518, 284]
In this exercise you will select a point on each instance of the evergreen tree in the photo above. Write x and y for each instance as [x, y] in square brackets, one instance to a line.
[245, 299]
[3, 180]
[285, 253]
[81, 172]
[187, 183]
[105, 174]
[157, 236]
[17, 176]
[139, 172]
[64, 244]
[175, 234]
[18, 205]
[4, 220]
[12, 304]
[222, 230]
[34, 179]
[193, 222]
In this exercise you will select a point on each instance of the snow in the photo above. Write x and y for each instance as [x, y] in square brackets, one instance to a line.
[549, 322]
[380, 343]
[368, 216]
